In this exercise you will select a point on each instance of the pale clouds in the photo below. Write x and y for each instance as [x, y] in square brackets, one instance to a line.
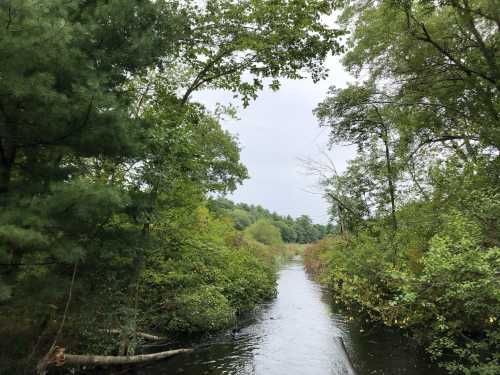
[274, 132]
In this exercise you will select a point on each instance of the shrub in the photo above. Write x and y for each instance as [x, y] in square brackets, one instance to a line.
[201, 284]
[264, 232]
[456, 299]
[447, 297]
[200, 310]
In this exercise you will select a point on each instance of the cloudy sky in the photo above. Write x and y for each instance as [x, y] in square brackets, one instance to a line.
[274, 132]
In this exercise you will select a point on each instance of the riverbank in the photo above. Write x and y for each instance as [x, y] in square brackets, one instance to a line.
[196, 280]
[297, 333]
[428, 297]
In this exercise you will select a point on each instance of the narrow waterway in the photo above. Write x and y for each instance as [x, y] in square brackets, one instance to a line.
[297, 334]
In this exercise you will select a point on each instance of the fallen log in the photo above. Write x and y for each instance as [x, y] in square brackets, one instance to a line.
[146, 336]
[149, 336]
[60, 358]
[75, 359]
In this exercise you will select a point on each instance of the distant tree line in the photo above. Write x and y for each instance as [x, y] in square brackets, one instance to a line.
[300, 230]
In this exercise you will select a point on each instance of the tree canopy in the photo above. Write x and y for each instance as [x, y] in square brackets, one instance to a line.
[106, 163]
[416, 208]
[300, 230]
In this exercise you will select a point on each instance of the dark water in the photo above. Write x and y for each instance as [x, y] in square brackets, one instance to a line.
[297, 334]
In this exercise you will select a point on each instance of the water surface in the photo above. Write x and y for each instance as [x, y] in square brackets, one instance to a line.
[298, 334]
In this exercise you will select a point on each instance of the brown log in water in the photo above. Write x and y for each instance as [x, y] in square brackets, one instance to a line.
[75, 359]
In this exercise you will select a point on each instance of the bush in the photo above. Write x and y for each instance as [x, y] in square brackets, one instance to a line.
[456, 299]
[241, 218]
[264, 232]
[447, 296]
[202, 284]
[200, 310]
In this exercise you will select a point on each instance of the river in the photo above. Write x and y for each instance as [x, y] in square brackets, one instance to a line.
[297, 334]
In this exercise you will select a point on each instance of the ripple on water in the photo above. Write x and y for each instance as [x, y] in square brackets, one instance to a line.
[296, 334]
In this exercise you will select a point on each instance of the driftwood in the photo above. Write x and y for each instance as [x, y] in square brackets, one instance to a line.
[60, 358]
[143, 335]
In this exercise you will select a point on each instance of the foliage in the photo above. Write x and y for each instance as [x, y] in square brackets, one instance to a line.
[300, 230]
[203, 309]
[263, 39]
[458, 285]
[241, 219]
[446, 296]
[214, 263]
[106, 165]
[287, 231]
[441, 59]
[264, 232]
[417, 208]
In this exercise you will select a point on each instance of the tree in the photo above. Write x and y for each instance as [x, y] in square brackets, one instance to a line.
[306, 232]
[355, 115]
[264, 232]
[241, 218]
[278, 39]
[288, 234]
[439, 59]
[62, 105]
[63, 67]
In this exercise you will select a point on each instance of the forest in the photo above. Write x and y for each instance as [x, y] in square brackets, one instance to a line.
[106, 165]
[251, 218]
[417, 210]
[114, 226]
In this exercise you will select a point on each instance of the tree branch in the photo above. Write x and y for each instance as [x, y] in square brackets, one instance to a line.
[42, 365]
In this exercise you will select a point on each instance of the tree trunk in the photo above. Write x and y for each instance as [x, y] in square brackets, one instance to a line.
[74, 359]
[390, 177]
[58, 357]
[4, 179]
[146, 336]
[7, 157]
[341, 219]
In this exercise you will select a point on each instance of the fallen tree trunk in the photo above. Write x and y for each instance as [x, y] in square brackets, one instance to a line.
[148, 336]
[143, 335]
[74, 359]
[59, 358]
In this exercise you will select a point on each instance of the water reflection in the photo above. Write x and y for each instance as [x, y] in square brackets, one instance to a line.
[297, 334]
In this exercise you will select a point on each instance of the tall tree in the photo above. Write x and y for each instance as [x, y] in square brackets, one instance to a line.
[358, 115]
[440, 60]
[102, 152]
[236, 44]
[63, 66]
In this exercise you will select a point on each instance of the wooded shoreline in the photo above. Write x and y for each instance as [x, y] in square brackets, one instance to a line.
[113, 174]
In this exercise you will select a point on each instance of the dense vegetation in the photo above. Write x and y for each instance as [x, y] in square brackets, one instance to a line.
[251, 218]
[106, 164]
[417, 211]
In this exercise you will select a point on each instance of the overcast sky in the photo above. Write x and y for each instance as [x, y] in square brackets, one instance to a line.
[274, 132]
